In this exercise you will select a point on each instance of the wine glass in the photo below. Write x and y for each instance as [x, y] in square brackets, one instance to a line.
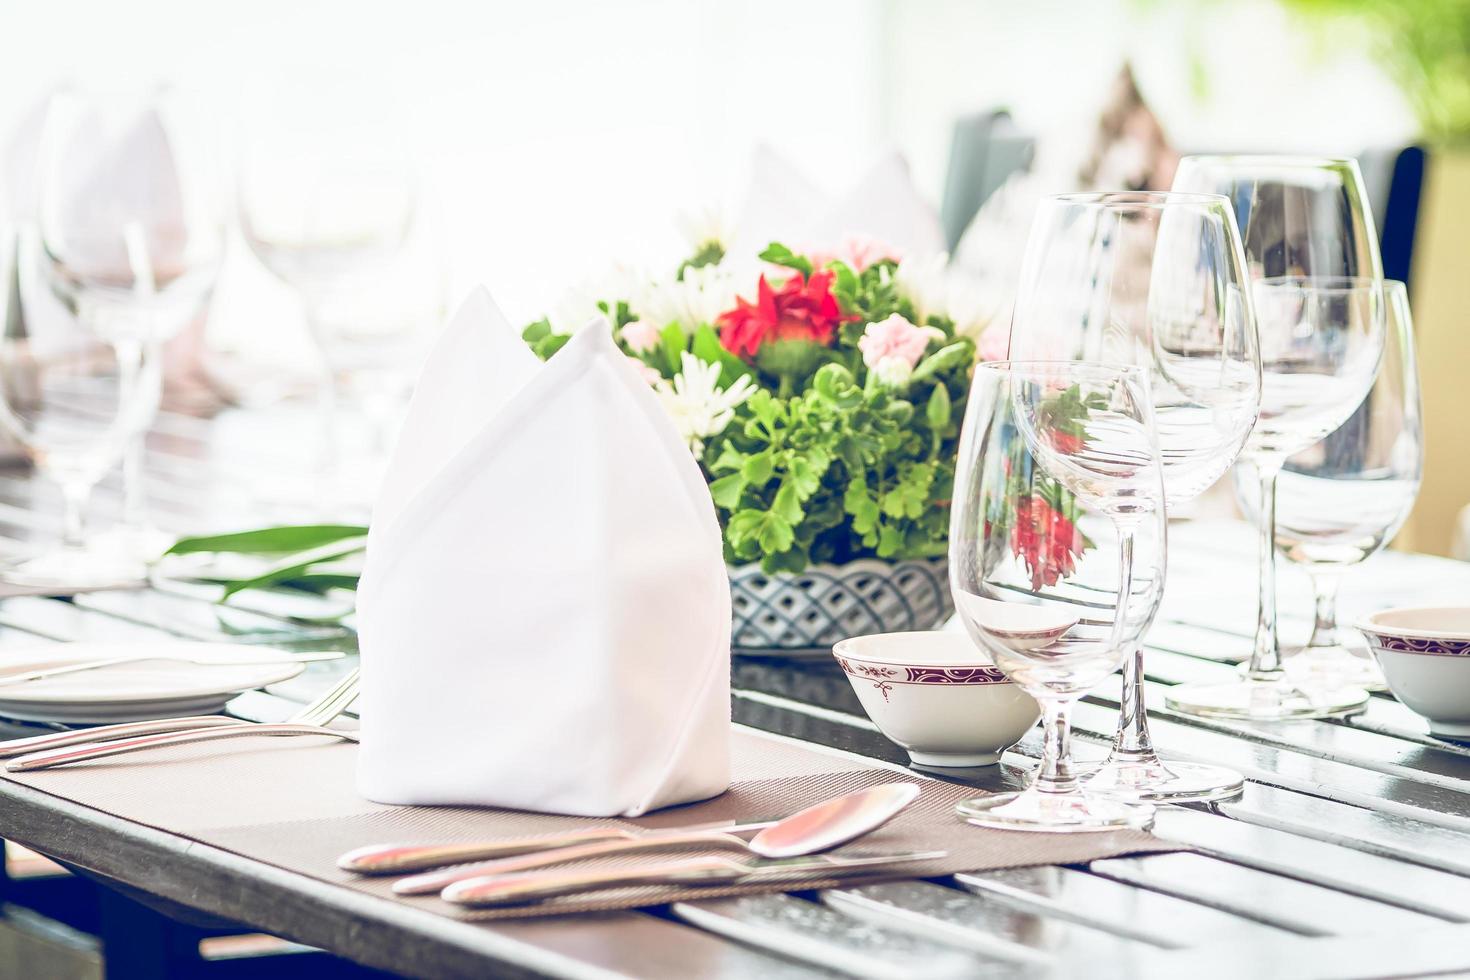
[1304, 219]
[1157, 280]
[327, 198]
[1056, 556]
[1321, 344]
[72, 402]
[1341, 500]
[133, 239]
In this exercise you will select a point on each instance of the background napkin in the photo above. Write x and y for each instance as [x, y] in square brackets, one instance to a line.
[544, 614]
[782, 205]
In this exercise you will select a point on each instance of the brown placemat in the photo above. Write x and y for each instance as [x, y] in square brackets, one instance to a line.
[291, 803]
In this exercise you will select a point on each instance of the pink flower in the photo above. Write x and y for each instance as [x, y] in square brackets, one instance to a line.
[897, 340]
[858, 251]
[640, 336]
[995, 342]
[650, 375]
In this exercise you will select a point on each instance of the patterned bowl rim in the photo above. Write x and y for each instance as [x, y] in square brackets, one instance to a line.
[842, 657]
[1370, 627]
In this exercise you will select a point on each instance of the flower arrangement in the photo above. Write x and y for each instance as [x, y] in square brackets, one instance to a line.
[822, 396]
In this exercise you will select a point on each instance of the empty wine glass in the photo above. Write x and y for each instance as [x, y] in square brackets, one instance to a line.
[72, 404]
[327, 197]
[1321, 344]
[1156, 280]
[1341, 500]
[133, 237]
[1057, 556]
[1308, 230]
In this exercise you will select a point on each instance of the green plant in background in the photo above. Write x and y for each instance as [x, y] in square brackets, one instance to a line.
[1424, 45]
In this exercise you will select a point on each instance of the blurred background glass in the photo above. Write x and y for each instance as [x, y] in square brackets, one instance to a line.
[546, 143]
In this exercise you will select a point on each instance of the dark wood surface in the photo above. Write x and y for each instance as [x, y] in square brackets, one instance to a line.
[1349, 855]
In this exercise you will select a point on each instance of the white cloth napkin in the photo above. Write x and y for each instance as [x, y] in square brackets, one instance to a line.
[544, 615]
[784, 206]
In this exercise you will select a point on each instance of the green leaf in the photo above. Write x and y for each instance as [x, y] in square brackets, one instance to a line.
[293, 567]
[938, 410]
[804, 478]
[730, 458]
[708, 253]
[774, 533]
[536, 331]
[778, 254]
[787, 506]
[890, 539]
[759, 468]
[671, 341]
[858, 501]
[954, 355]
[707, 348]
[550, 344]
[835, 385]
[727, 490]
[269, 540]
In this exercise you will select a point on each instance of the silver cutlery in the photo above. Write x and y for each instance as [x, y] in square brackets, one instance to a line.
[816, 828]
[21, 677]
[389, 859]
[520, 889]
[60, 748]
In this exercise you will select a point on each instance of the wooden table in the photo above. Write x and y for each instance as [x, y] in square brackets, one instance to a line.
[1349, 855]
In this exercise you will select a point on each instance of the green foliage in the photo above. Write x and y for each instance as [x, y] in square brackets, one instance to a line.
[270, 540]
[824, 462]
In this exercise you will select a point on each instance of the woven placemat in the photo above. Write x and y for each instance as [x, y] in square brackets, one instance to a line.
[291, 803]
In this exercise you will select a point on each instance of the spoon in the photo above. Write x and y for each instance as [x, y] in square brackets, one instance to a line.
[817, 828]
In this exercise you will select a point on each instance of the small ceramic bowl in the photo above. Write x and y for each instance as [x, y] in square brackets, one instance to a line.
[1425, 656]
[936, 695]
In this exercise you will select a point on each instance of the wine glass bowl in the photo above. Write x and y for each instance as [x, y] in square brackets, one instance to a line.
[72, 404]
[1156, 280]
[1321, 344]
[1056, 555]
[1341, 499]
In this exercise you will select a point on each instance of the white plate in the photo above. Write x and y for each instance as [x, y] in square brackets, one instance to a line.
[136, 691]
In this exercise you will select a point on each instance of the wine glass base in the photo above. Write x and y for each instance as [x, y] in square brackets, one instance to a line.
[1333, 667]
[135, 542]
[1273, 700]
[1153, 781]
[76, 570]
[1054, 813]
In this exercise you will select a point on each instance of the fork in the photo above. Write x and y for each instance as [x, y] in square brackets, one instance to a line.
[50, 751]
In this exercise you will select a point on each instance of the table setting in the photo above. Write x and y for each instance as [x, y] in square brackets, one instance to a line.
[792, 570]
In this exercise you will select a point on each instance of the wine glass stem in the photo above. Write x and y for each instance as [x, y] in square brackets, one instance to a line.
[1132, 742]
[74, 496]
[1324, 627]
[1055, 774]
[1265, 664]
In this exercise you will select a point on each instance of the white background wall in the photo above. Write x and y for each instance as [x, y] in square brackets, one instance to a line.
[558, 136]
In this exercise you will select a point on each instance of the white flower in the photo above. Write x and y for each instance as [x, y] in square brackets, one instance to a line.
[924, 282]
[893, 371]
[937, 288]
[699, 407]
[578, 307]
[708, 224]
[700, 297]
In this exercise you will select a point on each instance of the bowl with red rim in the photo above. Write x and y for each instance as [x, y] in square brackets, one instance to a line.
[1424, 652]
[937, 695]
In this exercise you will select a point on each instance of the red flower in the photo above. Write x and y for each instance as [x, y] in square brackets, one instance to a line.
[1046, 541]
[1066, 443]
[800, 310]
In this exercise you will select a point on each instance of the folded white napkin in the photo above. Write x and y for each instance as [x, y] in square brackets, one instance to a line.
[783, 205]
[544, 615]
